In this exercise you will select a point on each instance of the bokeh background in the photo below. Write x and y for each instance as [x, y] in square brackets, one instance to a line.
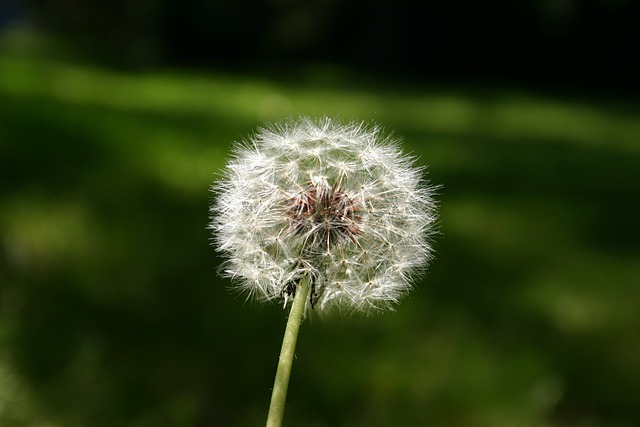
[115, 117]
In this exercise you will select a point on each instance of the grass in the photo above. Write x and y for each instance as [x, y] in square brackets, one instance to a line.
[112, 313]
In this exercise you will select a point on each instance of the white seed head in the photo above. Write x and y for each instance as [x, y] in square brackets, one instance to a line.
[337, 203]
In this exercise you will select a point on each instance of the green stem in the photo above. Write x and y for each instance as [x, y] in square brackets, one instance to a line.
[279, 394]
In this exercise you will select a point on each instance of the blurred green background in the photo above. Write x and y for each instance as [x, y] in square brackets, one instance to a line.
[116, 116]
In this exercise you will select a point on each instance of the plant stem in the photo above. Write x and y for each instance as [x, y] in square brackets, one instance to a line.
[279, 394]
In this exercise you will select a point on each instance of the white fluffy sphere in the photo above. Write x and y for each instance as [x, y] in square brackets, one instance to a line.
[337, 203]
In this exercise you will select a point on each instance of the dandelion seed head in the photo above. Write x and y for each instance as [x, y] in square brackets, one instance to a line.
[337, 203]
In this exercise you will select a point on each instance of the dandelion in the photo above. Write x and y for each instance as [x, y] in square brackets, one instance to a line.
[328, 216]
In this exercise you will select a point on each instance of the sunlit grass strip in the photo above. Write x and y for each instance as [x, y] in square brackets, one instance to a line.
[458, 114]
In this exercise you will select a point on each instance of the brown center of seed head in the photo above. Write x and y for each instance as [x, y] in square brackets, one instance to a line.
[326, 215]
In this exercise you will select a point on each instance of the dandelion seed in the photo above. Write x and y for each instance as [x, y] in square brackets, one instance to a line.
[336, 204]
